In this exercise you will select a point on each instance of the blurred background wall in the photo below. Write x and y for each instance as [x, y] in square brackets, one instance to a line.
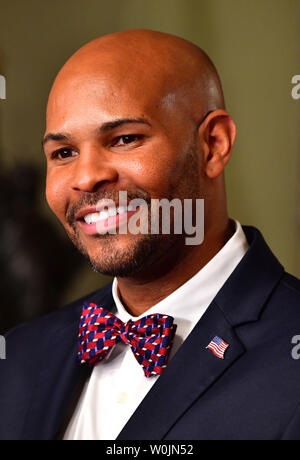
[255, 46]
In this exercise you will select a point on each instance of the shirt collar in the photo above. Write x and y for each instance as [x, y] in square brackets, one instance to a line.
[188, 303]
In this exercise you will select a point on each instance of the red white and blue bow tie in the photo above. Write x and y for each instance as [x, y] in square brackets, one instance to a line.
[150, 337]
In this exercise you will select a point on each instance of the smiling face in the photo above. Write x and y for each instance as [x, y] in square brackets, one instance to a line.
[97, 146]
[113, 127]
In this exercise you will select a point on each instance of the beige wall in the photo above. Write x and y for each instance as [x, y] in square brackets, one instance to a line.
[255, 46]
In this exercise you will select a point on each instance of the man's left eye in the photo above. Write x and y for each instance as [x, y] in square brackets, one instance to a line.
[128, 139]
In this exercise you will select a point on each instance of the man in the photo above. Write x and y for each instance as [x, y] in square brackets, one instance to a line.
[143, 112]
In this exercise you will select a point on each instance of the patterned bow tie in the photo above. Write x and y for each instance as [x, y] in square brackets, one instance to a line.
[150, 337]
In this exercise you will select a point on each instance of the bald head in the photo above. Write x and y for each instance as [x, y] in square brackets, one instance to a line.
[172, 70]
[141, 112]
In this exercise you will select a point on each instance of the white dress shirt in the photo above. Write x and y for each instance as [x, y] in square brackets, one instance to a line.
[117, 385]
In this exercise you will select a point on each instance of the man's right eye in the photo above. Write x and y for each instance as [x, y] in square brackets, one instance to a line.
[63, 154]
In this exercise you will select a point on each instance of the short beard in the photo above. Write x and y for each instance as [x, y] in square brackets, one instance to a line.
[139, 256]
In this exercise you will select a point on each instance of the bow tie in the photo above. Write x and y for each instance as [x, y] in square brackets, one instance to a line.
[150, 337]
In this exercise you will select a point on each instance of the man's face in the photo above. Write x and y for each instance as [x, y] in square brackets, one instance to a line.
[104, 135]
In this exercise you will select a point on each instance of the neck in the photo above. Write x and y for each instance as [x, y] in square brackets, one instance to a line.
[140, 293]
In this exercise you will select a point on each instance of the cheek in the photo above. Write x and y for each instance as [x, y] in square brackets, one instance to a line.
[156, 171]
[55, 187]
[153, 176]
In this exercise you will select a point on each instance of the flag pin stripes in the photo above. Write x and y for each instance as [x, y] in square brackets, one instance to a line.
[218, 347]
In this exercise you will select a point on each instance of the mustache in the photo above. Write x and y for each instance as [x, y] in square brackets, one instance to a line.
[92, 199]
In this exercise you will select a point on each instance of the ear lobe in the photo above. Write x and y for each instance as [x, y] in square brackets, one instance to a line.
[218, 133]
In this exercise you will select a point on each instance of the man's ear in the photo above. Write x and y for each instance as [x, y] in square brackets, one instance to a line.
[217, 135]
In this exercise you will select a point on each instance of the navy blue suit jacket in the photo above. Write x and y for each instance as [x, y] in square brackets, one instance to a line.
[254, 393]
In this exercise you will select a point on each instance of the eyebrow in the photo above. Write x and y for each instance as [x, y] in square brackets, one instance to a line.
[108, 126]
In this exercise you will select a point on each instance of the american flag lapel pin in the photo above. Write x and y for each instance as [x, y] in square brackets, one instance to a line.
[218, 347]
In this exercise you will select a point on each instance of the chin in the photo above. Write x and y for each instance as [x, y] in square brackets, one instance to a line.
[117, 258]
[114, 256]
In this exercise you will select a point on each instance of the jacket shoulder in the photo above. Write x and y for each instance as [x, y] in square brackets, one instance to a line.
[292, 283]
[33, 334]
[285, 300]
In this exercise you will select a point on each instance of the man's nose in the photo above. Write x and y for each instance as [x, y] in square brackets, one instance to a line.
[92, 170]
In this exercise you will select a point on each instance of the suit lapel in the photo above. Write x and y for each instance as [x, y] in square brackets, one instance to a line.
[191, 371]
[194, 368]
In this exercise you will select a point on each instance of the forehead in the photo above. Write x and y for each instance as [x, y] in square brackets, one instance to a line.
[93, 97]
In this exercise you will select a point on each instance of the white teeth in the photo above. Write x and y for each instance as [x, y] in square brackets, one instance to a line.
[104, 214]
[92, 218]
